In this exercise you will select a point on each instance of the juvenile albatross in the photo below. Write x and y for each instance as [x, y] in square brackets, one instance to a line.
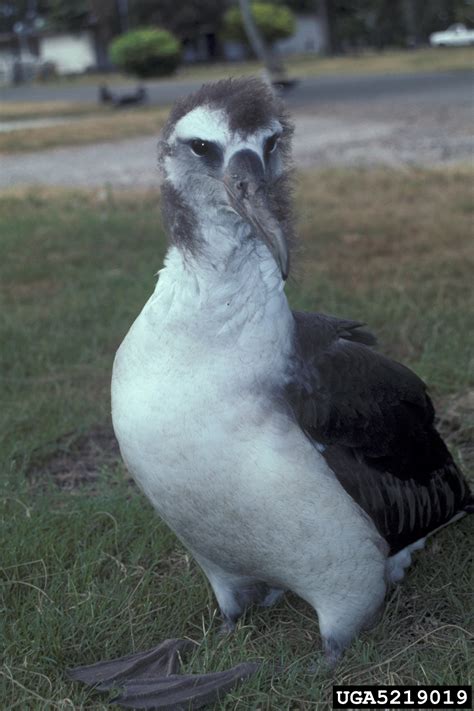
[281, 448]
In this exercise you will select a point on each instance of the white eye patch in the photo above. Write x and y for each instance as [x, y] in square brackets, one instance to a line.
[209, 124]
[204, 123]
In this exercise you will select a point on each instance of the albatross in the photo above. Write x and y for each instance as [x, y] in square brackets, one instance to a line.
[284, 451]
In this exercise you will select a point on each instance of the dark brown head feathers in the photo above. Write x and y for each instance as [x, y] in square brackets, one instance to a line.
[249, 103]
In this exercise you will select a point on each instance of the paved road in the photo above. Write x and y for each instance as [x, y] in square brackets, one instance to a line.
[335, 135]
[133, 162]
[427, 87]
[396, 121]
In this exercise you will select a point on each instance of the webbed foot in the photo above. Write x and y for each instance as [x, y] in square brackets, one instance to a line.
[151, 679]
[162, 660]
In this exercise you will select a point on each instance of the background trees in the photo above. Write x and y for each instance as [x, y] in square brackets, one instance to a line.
[150, 52]
[351, 24]
[348, 25]
[274, 22]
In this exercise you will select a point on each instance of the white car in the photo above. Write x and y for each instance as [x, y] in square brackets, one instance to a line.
[455, 36]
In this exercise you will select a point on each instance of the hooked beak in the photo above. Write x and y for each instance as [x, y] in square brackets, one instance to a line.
[245, 184]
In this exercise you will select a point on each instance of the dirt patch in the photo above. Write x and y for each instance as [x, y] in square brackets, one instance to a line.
[76, 460]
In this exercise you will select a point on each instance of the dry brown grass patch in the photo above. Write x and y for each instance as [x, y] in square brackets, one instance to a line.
[370, 62]
[13, 110]
[40, 196]
[81, 131]
[388, 222]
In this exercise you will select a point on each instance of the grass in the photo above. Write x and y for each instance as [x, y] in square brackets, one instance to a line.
[390, 61]
[89, 123]
[105, 125]
[18, 110]
[91, 572]
[369, 62]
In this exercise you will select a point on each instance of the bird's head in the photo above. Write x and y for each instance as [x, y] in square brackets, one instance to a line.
[225, 154]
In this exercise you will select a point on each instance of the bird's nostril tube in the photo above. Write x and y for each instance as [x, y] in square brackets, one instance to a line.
[242, 186]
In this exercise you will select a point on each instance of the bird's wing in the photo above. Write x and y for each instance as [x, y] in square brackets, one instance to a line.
[375, 421]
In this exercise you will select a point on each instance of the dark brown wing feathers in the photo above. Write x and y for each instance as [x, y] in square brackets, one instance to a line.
[376, 421]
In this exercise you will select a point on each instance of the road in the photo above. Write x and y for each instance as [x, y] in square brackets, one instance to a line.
[423, 119]
[426, 87]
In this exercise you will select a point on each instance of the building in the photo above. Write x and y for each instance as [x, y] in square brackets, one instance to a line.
[48, 53]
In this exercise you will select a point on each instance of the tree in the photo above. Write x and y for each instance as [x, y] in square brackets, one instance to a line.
[186, 19]
[104, 16]
[322, 11]
[70, 16]
[350, 24]
[254, 24]
[149, 52]
[20, 11]
[273, 22]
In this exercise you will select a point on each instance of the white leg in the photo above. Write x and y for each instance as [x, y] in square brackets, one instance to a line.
[272, 597]
[234, 593]
[346, 607]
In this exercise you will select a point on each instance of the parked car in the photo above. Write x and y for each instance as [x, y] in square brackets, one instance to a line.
[455, 36]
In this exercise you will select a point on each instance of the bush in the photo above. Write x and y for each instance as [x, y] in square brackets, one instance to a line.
[151, 52]
[274, 22]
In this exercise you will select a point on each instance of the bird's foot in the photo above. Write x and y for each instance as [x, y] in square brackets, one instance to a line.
[333, 651]
[272, 597]
[163, 660]
[227, 627]
[151, 679]
[327, 663]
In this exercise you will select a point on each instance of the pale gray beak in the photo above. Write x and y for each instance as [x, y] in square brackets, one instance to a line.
[246, 187]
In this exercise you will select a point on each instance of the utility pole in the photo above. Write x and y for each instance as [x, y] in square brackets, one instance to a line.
[323, 17]
[411, 23]
[122, 9]
[273, 64]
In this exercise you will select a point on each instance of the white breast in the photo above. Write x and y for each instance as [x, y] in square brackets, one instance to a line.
[220, 461]
[192, 376]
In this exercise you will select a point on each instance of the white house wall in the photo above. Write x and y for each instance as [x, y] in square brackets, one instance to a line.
[308, 37]
[69, 53]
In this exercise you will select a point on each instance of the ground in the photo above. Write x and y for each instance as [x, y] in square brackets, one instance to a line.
[88, 570]
[330, 134]
[385, 214]
[388, 62]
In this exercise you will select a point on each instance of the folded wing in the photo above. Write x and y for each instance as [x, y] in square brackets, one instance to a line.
[375, 420]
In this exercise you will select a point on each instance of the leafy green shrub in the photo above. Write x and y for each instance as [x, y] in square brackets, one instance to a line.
[149, 52]
[274, 22]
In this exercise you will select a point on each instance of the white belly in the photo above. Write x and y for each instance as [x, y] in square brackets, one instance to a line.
[235, 478]
[196, 413]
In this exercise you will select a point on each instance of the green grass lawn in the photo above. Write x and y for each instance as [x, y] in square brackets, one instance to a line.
[88, 571]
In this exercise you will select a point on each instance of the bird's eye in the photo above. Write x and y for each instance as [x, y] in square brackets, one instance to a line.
[200, 148]
[271, 143]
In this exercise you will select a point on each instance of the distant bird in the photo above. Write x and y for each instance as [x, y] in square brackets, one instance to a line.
[283, 451]
[139, 96]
